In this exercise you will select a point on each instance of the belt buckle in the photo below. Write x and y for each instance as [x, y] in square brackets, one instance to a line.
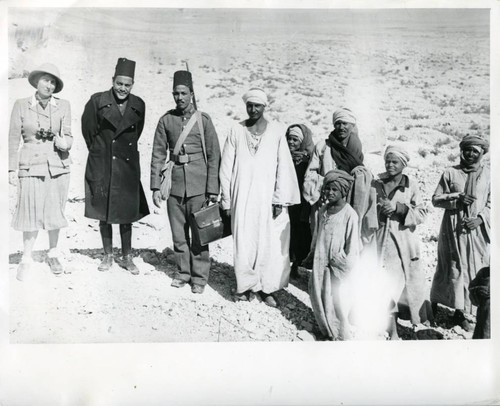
[183, 159]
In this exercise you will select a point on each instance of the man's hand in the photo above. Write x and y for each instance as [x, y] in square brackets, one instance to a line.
[211, 198]
[157, 199]
[472, 223]
[277, 209]
[387, 207]
[465, 199]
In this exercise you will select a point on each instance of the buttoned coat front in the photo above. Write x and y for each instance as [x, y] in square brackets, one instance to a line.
[193, 178]
[39, 156]
[113, 190]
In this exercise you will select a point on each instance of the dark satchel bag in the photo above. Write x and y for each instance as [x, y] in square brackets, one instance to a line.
[209, 224]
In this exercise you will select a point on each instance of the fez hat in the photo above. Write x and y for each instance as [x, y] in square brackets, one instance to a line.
[46, 68]
[183, 77]
[125, 67]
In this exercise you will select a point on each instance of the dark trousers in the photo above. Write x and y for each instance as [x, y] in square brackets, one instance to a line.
[193, 260]
[106, 231]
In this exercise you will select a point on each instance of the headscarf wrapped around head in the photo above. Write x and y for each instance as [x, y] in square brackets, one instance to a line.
[341, 179]
[475, 140]
[297, 132]
[307, 143]
[398, 152]
[343, 114]
[255, 95]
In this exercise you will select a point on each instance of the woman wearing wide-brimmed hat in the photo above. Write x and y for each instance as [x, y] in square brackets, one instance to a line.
[43, 122]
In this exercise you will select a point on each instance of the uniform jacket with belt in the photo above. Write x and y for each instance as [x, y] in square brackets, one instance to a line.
[196, 176]
[39, 156]
[113, 190]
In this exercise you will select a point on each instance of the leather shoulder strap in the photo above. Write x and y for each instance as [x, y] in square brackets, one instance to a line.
[184, 134]
[202, 132]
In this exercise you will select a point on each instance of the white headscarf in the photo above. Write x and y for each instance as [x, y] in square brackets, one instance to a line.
[345, 115]
[255, 95]
[297, 132]
[399, 152]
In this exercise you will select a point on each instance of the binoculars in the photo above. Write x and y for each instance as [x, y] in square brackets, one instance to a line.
[45, 134]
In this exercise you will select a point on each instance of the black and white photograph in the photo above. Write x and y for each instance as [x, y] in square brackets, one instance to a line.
[290, 192]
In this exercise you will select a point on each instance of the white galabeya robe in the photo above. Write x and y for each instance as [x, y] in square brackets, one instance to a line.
[250, 185]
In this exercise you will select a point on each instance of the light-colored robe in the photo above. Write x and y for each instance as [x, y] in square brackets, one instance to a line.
[361, 196]
[458, 262]
[331, 286]
[401, 246]
[250, 185]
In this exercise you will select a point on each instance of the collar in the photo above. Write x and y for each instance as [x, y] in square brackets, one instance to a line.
[403, 183]
[186, 113]
[107, 99]
[34, 101]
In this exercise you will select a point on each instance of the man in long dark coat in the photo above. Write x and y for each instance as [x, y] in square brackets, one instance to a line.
[111, 125]
[195, 178]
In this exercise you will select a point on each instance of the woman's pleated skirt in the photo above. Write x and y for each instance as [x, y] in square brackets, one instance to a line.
[40, 203]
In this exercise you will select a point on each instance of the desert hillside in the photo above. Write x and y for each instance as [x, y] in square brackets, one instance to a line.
[418, 79]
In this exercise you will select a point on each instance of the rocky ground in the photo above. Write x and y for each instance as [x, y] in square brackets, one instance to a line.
[423, 90]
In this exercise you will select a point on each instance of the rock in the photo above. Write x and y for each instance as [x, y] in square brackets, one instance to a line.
[305, 336]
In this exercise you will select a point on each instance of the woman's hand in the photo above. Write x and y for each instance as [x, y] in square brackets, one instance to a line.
[157, 199]
[277, 209]
[60, 142]
[13, 178]
[472, 223]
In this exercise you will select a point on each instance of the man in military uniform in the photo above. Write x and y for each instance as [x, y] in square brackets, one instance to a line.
[111, 125]
[195, 178]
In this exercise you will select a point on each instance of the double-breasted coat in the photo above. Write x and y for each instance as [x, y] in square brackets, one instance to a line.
[113, 189]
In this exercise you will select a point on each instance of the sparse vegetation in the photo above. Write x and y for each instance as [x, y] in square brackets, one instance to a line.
[423, 152]
[419, 116]
[442, 141]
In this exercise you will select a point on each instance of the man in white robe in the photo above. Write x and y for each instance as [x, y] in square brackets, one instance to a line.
[258, 182]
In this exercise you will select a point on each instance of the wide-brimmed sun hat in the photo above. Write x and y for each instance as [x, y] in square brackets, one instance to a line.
[43, 69]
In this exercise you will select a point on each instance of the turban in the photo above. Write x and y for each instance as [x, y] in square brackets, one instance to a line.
[474, 140]
[339, 178]
[125, 67]
[183, 77]
[297, 132]
[344, 114]
[399, 152]
[255, 95]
